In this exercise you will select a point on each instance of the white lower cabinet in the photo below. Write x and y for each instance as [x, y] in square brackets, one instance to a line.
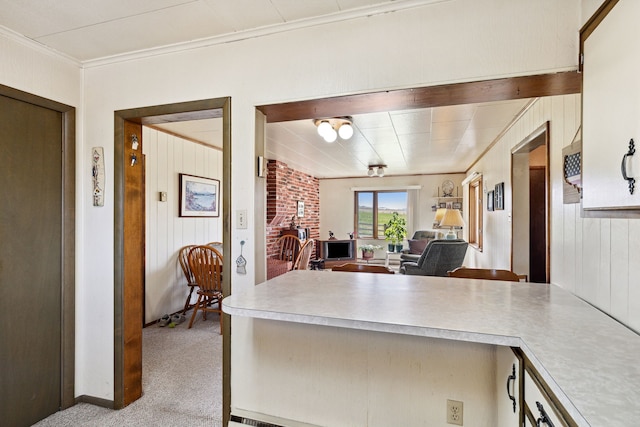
[541, 408]
[508, 390]
[517, 381]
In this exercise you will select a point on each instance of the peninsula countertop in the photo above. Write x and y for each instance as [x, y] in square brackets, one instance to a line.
[588, 359]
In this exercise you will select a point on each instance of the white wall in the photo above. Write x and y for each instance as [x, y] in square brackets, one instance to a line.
[446, 42]
[166, 157]
[337, 202]
[391, 50]
[564, 114]
[589, 257]
[329, 376]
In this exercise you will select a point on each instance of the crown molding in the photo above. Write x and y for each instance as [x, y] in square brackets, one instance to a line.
[363, 12]
[39, 47]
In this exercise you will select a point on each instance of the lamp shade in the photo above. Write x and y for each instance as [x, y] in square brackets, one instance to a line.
[439, 215]
[452, 218]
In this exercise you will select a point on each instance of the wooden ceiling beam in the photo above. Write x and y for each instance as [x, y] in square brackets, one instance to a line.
[426, 97]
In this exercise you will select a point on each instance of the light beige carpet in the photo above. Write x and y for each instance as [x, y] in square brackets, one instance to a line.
[181, 382]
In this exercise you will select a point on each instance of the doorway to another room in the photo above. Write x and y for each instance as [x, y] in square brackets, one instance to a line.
[130, 239]
[530, 179]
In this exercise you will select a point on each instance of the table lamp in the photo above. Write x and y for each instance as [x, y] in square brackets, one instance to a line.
[452, 218]
[438, 217]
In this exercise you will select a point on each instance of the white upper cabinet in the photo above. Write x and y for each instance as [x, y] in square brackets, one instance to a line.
[611, 109]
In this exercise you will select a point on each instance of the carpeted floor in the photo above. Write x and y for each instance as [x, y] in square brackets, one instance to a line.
[181, 382]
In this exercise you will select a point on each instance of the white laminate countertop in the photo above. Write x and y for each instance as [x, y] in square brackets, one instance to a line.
[588, 359]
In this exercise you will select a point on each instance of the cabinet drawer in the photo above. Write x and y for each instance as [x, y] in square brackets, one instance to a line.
[536, 401]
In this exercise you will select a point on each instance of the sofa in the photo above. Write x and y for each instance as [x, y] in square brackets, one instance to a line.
[417, 243]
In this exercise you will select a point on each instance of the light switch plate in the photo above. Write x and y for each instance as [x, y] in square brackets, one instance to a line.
[241, 218]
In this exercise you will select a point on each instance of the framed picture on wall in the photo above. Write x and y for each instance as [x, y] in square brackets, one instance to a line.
[300, 209]
[199, 196]
[490, 200]
[499, 196]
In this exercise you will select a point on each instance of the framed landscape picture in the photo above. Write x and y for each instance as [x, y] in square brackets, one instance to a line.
[199, 196]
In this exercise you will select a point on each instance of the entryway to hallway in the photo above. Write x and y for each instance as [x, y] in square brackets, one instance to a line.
[130, 236]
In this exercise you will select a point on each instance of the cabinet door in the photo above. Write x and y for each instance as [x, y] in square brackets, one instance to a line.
[539, 405]
[508, 388]
[611, 107]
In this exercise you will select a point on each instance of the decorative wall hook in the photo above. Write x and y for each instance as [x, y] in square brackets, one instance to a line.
[134, 141]
[623, 167]
[134, 159]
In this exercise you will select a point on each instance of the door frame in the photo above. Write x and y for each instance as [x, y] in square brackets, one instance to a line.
[68, 260]
[192, 110]
[528, 144]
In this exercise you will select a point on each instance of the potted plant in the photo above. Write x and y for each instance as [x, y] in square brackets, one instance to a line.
[367, 251]
[395, 232]
[390, 236]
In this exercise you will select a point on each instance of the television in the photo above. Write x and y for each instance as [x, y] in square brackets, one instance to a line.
[338, 250]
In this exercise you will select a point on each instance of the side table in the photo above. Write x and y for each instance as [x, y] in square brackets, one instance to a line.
[391, 255]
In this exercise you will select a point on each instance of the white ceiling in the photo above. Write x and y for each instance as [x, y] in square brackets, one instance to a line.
[435, 140]
[431, 140]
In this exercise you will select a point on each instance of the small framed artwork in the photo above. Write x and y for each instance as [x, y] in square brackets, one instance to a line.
[300, 209]
[442, 205]
[457, 205]
[499, 197]
[490, 200]
[199, 196]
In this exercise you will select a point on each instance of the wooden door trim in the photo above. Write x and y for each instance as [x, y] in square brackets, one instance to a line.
[148, 115]
[522, 147]
[67, 395]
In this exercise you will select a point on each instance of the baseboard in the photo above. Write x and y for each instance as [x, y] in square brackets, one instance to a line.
[95, 401]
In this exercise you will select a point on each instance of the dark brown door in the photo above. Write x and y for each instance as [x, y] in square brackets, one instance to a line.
[30, 261]
[537, 225]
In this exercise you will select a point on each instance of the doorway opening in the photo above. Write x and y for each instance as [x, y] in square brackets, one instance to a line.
[530, 182]
[129, 238]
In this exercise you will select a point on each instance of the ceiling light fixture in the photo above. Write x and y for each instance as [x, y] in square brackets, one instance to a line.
[329, 129]
[376, 170]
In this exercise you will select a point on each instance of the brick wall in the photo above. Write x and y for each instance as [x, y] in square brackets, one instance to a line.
[285, 186]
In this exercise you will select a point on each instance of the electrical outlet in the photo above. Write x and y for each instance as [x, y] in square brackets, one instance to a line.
[454, 412]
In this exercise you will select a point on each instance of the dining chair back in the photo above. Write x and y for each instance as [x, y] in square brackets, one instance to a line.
[484, 273]
[206, 265]
[288, 248]
[363, 268]
[183, 259]
[217, 246]
[302, 261]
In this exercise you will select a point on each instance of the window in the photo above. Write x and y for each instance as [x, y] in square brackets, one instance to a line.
[374, 209]
[475, 213]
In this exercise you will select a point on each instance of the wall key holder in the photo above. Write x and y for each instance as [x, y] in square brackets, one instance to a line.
[623, 167]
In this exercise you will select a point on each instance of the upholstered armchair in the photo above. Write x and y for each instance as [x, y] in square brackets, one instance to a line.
[417, 244]
[439, 257]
